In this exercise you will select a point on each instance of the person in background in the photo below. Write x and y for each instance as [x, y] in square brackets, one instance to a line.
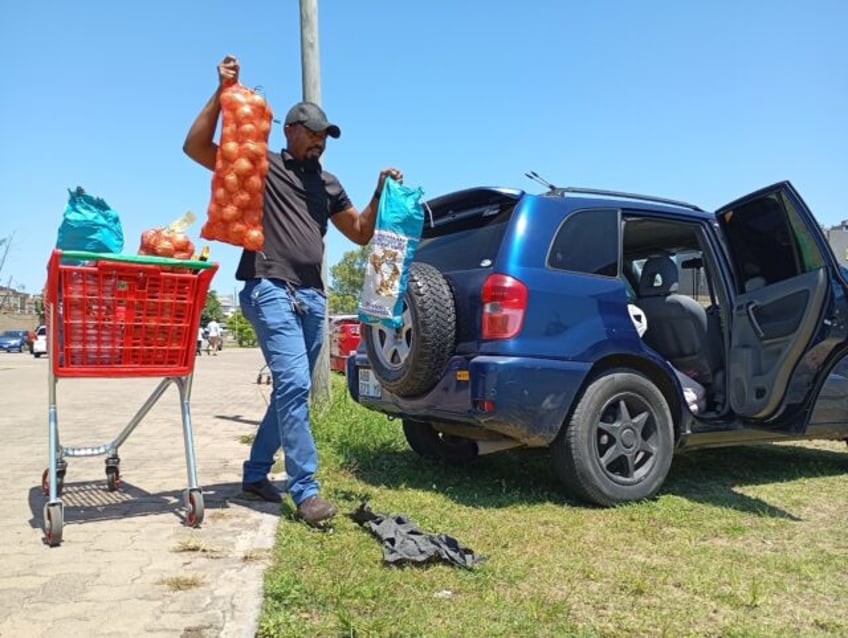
[199, 340]
[283, 295]
[213, 329]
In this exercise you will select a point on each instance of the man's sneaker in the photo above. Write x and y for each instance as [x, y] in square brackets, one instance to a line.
[315, 510]
[263, 489]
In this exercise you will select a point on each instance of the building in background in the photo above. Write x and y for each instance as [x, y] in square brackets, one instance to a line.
[837, 237]
[229, 304]
[18, 301]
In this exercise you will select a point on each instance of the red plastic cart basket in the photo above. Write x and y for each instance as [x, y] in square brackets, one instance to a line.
[121, 316]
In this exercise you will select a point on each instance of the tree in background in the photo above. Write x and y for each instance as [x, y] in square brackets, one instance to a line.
[5, 244]
[241, 330]
[347, 278]
[212, 309]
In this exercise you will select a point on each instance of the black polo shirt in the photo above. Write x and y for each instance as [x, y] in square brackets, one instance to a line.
[299, 199]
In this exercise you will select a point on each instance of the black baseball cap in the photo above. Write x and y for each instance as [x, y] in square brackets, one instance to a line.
[312, 117]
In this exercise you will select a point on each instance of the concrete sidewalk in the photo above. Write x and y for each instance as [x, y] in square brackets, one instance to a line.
[127, 566]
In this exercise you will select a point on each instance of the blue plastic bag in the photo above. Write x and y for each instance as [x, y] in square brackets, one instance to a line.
[89, 224]
[400, 220]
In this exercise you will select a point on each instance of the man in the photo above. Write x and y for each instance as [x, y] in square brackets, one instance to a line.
[213, 328]
[283, 295]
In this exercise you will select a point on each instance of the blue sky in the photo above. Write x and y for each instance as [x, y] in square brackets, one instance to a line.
[700, 101]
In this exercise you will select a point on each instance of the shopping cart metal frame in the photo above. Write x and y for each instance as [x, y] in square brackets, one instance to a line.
[121, 316]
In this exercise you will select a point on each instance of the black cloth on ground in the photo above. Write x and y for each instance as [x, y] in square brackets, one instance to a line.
[403, 542]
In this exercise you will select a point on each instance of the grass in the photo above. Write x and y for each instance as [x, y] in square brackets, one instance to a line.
[181, 583]
[255, 555]
[746, 541]
[194, 544]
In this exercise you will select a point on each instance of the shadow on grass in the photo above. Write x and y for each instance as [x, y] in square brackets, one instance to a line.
[714, 475]
[525, 476]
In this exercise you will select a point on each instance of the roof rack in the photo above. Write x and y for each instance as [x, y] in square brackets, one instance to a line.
[605, 193]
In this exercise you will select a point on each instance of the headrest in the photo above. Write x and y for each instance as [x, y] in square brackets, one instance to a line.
[659, 277]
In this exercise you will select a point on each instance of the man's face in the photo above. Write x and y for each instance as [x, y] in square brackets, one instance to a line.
[303, 143]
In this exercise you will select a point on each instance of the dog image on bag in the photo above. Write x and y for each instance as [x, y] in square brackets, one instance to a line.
[386, 271]
[397, 231]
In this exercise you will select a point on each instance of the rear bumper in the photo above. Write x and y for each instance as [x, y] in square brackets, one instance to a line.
[522, 398]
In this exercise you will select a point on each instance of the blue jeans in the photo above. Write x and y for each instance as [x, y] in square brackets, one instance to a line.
[291, 342]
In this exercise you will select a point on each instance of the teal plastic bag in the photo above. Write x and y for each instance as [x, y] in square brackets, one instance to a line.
[400, 220]
[89, 224]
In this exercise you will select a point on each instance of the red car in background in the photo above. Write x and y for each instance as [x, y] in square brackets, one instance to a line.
[344, 339]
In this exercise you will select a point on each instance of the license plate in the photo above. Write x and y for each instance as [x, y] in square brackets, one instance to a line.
[368, 385]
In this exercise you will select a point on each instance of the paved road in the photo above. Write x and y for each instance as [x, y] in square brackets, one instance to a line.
[127, 566]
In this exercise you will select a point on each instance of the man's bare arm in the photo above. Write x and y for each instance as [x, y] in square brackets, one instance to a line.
[199, 144]
[359, 226]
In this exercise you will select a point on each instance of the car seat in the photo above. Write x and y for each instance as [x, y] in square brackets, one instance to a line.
[677, 324]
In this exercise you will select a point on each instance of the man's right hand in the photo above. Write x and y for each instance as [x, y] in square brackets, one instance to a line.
[199, 144]
[228, 70]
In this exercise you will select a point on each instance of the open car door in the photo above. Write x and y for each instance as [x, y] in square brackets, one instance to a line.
[785, 276]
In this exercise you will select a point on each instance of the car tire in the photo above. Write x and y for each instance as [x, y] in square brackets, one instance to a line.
[409, 360]
[428, 442]
[618, 445]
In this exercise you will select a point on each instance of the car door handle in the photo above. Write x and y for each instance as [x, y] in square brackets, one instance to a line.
[749, 309]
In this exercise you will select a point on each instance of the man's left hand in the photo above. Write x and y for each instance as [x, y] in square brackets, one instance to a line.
[394, 173]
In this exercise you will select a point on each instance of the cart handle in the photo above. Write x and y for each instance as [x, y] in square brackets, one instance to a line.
[134, 259]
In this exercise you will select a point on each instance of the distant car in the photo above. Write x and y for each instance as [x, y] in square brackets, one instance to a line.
[344, 340]
[39, 345]
[14, 340]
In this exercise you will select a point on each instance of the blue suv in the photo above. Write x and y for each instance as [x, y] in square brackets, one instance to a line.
[614, 329]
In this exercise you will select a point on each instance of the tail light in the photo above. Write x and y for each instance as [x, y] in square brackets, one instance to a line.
[504, 303]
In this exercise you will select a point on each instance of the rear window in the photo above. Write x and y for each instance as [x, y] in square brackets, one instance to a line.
[587, 242]
[466, 242]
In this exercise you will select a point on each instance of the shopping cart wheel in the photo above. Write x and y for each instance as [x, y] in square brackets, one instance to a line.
[45, 482]
[194, 508]
[113, 478]
[54, 515]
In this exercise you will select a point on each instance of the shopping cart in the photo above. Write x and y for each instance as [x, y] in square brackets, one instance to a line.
[121, 316]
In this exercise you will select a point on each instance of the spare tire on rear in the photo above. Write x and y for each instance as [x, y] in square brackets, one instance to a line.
[410, 360]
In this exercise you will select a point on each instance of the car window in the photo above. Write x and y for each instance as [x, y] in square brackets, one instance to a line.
[468, 243]
[811, 257]
[768, 242]
[587, 242]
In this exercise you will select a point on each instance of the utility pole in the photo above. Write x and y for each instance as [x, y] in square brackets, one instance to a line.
[311, 81]
[309, 58]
